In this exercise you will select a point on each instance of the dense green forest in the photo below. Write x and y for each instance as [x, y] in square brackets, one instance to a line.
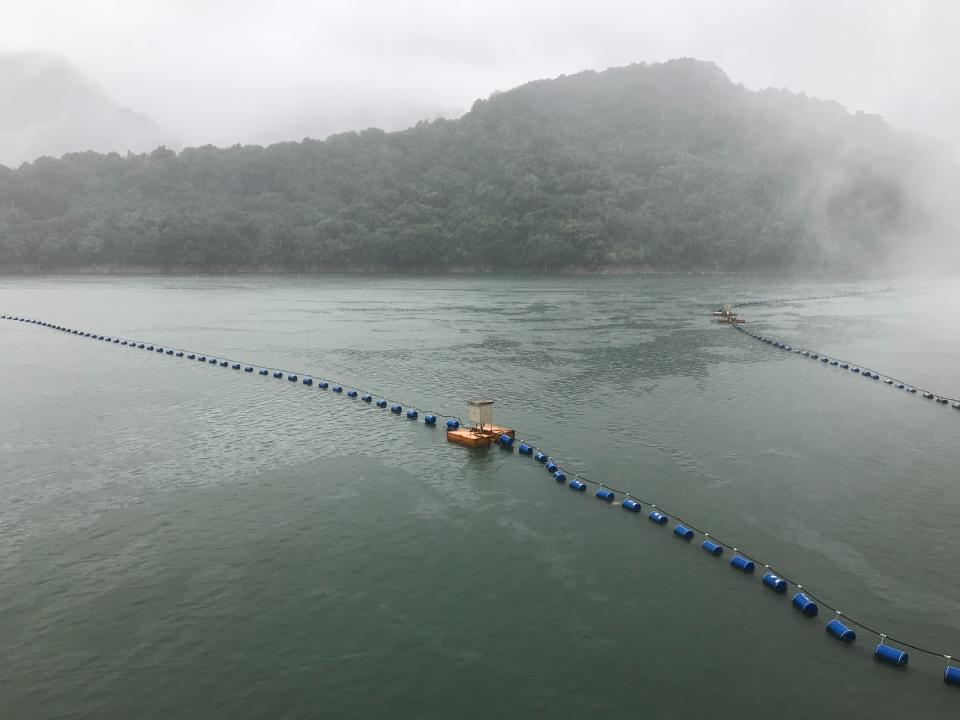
[666, 166]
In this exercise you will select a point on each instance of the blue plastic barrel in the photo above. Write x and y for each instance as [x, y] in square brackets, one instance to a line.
[278, 374]
[159, 349]
[292, 377]
[505, 440]
[631, 505]
[191, 356]
[323, 385]
[890, 654]
[540, 457]
[248, 368]
[774, 582]
[412, 414]
[577, 485]
[841, 631]
[805, 605]
[452, 423]
[395, 409]
[308, 381]
[741, 563]
[607, 495]
[951, 676]
[337, 388]
[657, 517]
[559, 476]
[236, 366]
[223, 363]
[351, 393]
[179, 354]
[367, 398]
[683, 531]
[551, 466]
[264, 371]
[381, 403]
[430, 420]
[712, 548]
[525, 449]
[212, 361]
[844, 365]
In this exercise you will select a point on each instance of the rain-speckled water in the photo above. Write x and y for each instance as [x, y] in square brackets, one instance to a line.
[183, 540]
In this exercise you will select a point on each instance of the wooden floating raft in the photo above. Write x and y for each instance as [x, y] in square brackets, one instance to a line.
[480, 436]
[727, 316]
[482, 431]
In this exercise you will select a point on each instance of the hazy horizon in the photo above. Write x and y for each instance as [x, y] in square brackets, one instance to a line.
[218, 73]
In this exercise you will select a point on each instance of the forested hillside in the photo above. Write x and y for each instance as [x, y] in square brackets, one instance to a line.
[667, 166]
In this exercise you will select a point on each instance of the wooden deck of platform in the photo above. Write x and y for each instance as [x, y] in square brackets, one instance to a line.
[476, 437]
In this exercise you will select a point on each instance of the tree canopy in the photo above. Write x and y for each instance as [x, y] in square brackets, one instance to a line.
[666, 166]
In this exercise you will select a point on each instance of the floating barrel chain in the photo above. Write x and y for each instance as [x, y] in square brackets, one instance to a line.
[771, 301]
[804, 600]
[833, 361]
[292, 375]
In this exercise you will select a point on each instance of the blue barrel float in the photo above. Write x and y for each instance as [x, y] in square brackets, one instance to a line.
[452, 423]
[711, 547]
[291, 377]
[802, 602]
[248, 368]
[525, 449]
[683, 531]
[381, 403]
[278, 374]
[264, 371]
[395, 409]
[551, 466]
[631, 505]
[774, 582]
[308, 381]
[889, 654]
[430, 420]
[412, 414]
[505, 441]
[540, 457]
[606, 495]
[559, 476]
[367, 398]
[741, 563]
[351, 393]
[577, 485]
[840, 631]
[657, 517]
[337, 388]
[951, 676]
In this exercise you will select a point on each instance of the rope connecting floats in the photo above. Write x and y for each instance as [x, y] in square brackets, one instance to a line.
[305, 378]
[772, 301]
[805, 601]
[869, 373]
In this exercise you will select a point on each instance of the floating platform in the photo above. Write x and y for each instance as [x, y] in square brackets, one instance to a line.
[478, 436]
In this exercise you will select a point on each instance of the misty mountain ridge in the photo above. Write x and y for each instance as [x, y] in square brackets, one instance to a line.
[51, 108]
[662, 166]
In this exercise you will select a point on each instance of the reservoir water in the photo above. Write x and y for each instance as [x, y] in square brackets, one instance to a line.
[183, 540]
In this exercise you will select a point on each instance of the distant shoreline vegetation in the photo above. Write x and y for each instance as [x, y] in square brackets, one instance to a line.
[647, 168]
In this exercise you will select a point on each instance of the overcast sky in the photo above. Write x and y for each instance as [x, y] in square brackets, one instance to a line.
[268, 70]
